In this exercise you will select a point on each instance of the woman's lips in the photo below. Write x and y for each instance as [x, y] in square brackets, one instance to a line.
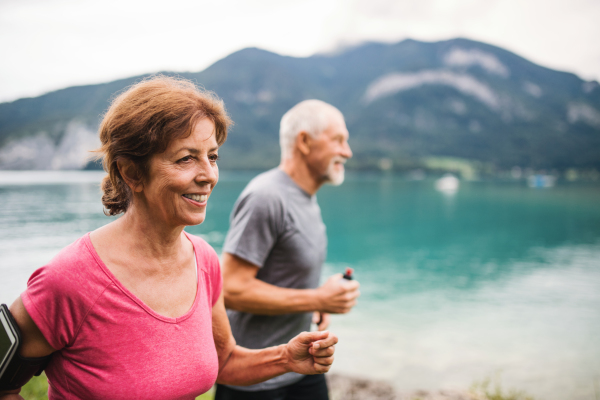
[199, 200]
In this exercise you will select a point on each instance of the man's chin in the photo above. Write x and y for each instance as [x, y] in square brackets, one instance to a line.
[336, 179]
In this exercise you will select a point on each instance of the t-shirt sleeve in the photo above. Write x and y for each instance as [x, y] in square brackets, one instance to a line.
[208, 261]
[216, 279]
[256, 222]
[56, 298]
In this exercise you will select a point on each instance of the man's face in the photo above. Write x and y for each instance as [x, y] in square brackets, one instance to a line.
[330, 151]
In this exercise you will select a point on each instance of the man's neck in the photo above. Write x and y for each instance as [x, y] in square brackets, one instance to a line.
[301, 174]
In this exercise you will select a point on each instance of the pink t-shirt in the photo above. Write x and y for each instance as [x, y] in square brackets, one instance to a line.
[110, 344]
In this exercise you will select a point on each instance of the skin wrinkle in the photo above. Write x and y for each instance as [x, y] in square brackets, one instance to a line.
[329, 148]
[159, 259]
[150, 255]
[164, 193]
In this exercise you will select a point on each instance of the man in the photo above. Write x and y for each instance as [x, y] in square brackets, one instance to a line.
[276, 245]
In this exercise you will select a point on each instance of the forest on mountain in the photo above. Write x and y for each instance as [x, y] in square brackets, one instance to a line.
[456, 104]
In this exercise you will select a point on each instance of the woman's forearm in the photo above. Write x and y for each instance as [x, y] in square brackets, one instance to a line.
[246, 367]
[308, 353]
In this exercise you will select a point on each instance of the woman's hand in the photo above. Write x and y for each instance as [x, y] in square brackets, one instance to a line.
[311, 353]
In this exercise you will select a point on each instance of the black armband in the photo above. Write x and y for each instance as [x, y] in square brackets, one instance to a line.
[21, 369]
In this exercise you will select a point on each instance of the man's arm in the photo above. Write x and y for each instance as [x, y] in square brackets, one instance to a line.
[244, 292]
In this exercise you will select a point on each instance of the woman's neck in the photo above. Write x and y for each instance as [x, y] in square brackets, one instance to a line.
[150, 236]
[137, 238]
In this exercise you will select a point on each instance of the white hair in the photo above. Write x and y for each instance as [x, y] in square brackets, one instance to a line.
[310, 116]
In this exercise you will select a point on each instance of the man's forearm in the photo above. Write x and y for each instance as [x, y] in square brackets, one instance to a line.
[258, 297]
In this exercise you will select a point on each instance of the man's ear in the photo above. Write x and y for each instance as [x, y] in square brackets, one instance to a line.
[130, 174]
[304, 143]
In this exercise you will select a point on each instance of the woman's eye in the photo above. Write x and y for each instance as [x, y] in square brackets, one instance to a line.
[214, 157]
[185, 159]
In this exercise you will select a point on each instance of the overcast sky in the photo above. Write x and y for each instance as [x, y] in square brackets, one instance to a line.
[51, 44]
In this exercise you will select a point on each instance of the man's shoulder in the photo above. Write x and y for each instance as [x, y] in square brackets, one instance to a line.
[269, 186]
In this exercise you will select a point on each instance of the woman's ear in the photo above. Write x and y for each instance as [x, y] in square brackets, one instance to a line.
[303, 142]
[130, 174]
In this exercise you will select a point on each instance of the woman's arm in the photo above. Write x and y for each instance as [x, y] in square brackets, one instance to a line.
[33, 345]
[308, 353]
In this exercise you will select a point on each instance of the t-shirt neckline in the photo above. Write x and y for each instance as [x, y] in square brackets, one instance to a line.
[128, 293]
[294, 185]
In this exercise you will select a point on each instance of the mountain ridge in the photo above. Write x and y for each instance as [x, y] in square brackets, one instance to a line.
[404, 102]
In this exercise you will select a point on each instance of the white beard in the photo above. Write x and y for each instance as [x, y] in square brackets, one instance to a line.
[334, 176]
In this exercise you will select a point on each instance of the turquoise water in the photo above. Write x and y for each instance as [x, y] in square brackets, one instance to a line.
[497, 279]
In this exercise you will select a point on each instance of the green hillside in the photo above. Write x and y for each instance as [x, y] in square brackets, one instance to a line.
[404, 102]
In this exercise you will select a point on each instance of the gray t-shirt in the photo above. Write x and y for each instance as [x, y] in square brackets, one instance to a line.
[276, 226]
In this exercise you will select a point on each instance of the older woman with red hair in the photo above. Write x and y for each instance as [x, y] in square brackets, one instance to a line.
[134, 309]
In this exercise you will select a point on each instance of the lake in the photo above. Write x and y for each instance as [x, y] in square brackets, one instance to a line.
[496, 280]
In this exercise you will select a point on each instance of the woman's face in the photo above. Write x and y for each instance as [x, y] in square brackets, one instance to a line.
[181, 179]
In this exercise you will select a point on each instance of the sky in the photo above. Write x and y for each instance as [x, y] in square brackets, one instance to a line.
[51, 44]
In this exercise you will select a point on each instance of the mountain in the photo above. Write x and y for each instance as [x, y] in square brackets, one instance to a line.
[409, 104]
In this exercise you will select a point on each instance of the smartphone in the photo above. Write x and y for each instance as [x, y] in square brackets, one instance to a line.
[10, 338]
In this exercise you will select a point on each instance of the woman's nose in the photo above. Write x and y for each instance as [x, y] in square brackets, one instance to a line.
[208, 172]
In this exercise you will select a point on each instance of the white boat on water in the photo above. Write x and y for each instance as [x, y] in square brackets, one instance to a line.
[447, 184]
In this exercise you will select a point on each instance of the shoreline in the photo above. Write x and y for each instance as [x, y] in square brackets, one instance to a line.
[345, 387]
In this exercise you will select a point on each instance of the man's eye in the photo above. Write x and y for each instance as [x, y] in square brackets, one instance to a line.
[214, 157]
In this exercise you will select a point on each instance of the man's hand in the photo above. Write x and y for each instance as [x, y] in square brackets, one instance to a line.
[311, 353]
[321, 319]
[337, 295]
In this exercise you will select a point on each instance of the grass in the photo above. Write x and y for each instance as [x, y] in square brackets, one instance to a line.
[37, 389]
[490, 389]
[487, 389]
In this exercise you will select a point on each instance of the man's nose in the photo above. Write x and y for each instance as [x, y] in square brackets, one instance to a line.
[347, 151]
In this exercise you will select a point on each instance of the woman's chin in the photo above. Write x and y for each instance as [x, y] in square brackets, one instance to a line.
[195, 219]
[187, 219]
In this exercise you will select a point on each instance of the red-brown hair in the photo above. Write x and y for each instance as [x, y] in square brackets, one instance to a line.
[142, 122]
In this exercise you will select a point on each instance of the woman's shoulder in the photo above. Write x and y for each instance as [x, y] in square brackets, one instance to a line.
[75, 266]
[199, 242]
[203, 250]
[208, 261]
[60, 294]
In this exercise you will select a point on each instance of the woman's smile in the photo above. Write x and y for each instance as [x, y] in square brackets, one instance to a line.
[183, 176]
[196, 198]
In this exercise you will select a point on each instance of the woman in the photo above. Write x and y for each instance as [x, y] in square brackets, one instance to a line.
[134, 309]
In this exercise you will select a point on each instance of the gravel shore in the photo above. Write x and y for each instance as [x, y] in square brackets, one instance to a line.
[343, 387]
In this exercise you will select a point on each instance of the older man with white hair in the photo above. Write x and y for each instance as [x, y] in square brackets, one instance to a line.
[277, 244]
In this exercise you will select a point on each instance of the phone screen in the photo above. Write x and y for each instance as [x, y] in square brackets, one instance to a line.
[7, 338]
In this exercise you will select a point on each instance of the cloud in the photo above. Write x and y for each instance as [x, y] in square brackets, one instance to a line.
[391, 84]
[458, 57]
[49, 44]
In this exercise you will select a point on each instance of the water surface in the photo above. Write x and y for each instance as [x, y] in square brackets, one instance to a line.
[498, 278]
